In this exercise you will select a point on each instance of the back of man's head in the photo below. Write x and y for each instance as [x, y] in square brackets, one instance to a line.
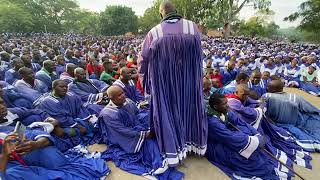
[166, 8]
[242, 78]
[275, 86]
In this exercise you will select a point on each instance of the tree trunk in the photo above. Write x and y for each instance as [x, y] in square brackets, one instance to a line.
[226, 30]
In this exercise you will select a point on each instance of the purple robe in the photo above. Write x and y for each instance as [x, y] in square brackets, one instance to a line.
[170, 66]
[66, 77]
[124, 130]
[34, 92]
[279, 138]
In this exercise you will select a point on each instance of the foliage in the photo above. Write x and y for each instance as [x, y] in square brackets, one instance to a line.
[117, 20]
[309, 14]
[14, 18]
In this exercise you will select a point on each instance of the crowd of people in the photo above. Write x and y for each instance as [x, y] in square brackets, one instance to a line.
[71, 91]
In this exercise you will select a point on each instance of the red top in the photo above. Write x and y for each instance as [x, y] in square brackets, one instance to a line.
[217, 76]
[91, 69]
[229, 96]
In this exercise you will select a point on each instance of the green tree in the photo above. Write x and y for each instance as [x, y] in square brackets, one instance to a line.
[310, 19]
[14, 18]
[118, 20]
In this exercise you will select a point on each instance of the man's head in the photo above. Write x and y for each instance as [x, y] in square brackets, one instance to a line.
[294, 62]
[26, 60]
[17, 64]
[219, 103]
[36, 54]
[206, 84]
[16, 52]
[69, 53]
[275, 86]
[166, 8]
[311, 69]
[125, 74]
[265, 75]
[107, 65]
[77, 54]
[80, 74]
[50, 54]
[256, 77]
[5, 56]
[116, 95]
[59, 87]
[242, 78]
[27, 75]
[49, 65]
[60, 60]
[83, 64]
[242, 91]
[231, 65]
[70, 67]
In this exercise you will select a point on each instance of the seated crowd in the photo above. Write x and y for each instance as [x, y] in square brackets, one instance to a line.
[84, 90]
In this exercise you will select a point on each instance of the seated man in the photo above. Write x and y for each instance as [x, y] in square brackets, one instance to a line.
[229, 73]
[207, 92]
[68, 75]
[12, 75]
[31, 87]
[47, 74]
[13, 98]
[236, 147]
[128, 86]
[295, 114]
[60, 65]
[256, 83]
[127, 134]
[68, 109]
[241, 78]
[91, 92]
[36, 158]
[108, 74]
[29, 64]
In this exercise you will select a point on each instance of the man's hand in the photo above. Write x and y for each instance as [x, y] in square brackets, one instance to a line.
[10, 144]
[26, 147]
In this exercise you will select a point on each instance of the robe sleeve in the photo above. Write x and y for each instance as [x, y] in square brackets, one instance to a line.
[88, 98]
[143, 58]
[129, 139]
[254, 115]
[238, 141]
[53, 109]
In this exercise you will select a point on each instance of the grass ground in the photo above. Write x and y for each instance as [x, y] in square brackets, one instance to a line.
[197, 168]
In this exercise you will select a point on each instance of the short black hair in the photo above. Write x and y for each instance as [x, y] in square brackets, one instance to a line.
[23, 71]
[241, 76]
[56, 82]
[215, 99]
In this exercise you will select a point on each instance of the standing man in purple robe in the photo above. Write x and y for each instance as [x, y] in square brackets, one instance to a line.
[170, 67]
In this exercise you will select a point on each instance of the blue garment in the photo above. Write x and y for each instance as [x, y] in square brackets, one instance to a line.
[228, 76]
[259, 88]
[32, 92]
[130, 90]
[65, 109]
[11, 76]
[72, 60]
[46, 78]
[310, 88]
[124, 131]
[13, 98]
[296, 115]
[60, 69]
[237, 153]
[50, 163]
[279, 138]
[28, 116]
[35, 67]
[69, 111]
[230, 88]
[4, 67]
[90, 92]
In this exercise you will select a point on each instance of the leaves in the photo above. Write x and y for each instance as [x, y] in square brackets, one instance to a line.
[118, 20]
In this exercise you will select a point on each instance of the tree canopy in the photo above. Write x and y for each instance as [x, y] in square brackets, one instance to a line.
[117, 20]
